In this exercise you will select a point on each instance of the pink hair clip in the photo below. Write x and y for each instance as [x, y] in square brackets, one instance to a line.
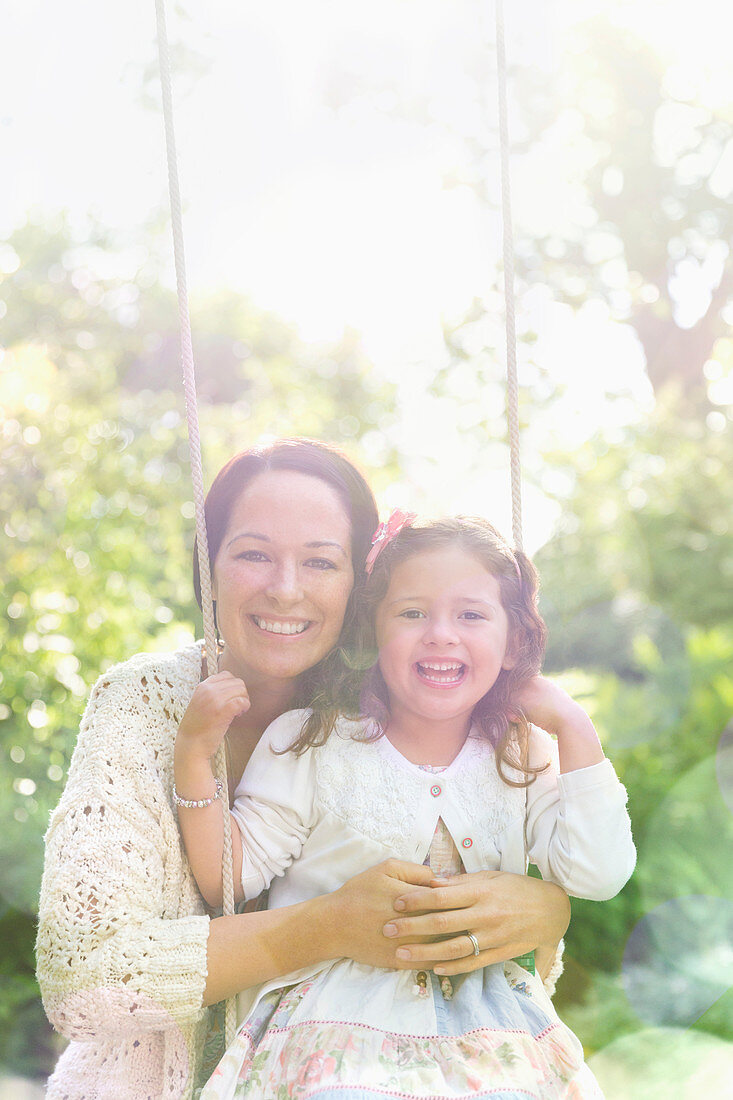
[385, 533]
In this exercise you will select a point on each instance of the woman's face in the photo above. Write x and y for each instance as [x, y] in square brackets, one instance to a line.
[283, 576]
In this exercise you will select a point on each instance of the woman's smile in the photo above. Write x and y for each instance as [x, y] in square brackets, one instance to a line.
[283, 576]
[289, 627]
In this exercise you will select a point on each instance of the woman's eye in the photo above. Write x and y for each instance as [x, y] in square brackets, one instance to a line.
[472, 616]
[411, 613]
[321, 563]
[252, 555]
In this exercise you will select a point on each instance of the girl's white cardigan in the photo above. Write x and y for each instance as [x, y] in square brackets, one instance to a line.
[122, 929]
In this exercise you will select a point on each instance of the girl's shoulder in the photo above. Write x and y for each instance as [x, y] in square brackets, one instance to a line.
[285, 730]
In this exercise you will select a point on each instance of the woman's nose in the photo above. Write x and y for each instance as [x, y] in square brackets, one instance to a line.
[285, 586]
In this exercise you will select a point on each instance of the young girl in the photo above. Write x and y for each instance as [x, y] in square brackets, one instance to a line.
[440, 753]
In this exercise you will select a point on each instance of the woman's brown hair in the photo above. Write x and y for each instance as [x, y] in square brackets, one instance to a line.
[356, 687]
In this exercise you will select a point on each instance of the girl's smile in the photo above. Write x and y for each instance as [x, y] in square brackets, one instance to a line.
[442, 635]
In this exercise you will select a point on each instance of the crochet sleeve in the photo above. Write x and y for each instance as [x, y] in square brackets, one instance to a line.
[578, 829]
[113, 955]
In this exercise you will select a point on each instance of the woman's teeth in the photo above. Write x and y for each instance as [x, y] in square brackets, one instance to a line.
[280, 628]
[441, 672]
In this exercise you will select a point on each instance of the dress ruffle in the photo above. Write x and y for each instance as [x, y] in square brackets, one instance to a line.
[288, 1049]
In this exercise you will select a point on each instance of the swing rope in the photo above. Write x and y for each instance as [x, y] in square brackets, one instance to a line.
[189, 386]
[512, 392]
[189, 382]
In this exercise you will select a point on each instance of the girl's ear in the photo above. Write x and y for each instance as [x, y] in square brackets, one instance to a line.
[511, 654]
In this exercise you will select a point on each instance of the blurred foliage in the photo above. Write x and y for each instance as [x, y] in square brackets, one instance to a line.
[96, 504]
[644, 545]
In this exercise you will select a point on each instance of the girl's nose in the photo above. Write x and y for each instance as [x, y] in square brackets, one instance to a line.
[285, 586]
[440, 631]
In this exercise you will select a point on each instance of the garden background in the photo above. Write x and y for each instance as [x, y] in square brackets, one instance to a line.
[341, 175]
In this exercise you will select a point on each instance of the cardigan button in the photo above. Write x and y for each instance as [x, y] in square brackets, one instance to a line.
[467, 842]
[436, 790]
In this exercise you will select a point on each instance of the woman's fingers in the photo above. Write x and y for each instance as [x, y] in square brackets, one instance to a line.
[428, 924]
[412, 874]
[452, 956]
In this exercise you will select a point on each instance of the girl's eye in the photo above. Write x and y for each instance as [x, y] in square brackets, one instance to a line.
[472, 616]
[321, 563]
[411, 613]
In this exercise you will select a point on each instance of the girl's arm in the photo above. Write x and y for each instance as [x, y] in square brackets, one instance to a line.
[546, 705]
[578, 829]
[274, 807]
[213, 706]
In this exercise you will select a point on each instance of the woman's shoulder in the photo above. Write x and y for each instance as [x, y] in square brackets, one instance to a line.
[152, 674]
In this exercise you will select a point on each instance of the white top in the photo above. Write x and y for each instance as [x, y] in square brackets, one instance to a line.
[310, 822]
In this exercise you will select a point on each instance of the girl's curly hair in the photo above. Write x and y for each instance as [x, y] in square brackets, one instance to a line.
[350, 683]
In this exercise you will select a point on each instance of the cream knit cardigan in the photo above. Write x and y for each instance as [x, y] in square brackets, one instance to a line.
[122, 929]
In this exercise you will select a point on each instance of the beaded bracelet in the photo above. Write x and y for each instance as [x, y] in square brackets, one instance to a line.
[198, 804]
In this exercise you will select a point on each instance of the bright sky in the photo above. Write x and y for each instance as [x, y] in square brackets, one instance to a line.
[330, 216]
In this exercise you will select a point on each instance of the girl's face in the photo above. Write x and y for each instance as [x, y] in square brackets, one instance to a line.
[442, 635]
[283, 576]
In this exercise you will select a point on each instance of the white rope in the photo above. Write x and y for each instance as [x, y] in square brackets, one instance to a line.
[189, 386]
[512, 401]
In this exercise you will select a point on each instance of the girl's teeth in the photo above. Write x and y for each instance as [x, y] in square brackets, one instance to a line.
[280, 628]
[437, 672]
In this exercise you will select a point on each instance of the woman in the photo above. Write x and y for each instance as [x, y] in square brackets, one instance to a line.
[128, 958]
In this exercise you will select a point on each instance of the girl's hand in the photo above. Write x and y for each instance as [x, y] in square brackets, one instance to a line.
[546, 705]
[508, 914]
[214, 705]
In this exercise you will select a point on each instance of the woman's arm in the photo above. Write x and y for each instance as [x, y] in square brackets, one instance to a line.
[250, 948]
[508, 914]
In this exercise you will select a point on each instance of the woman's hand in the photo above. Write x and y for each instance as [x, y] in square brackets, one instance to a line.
[214, 705]
[508, 914]
[355, 914]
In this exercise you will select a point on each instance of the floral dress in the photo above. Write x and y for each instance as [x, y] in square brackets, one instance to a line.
[346, 1031]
